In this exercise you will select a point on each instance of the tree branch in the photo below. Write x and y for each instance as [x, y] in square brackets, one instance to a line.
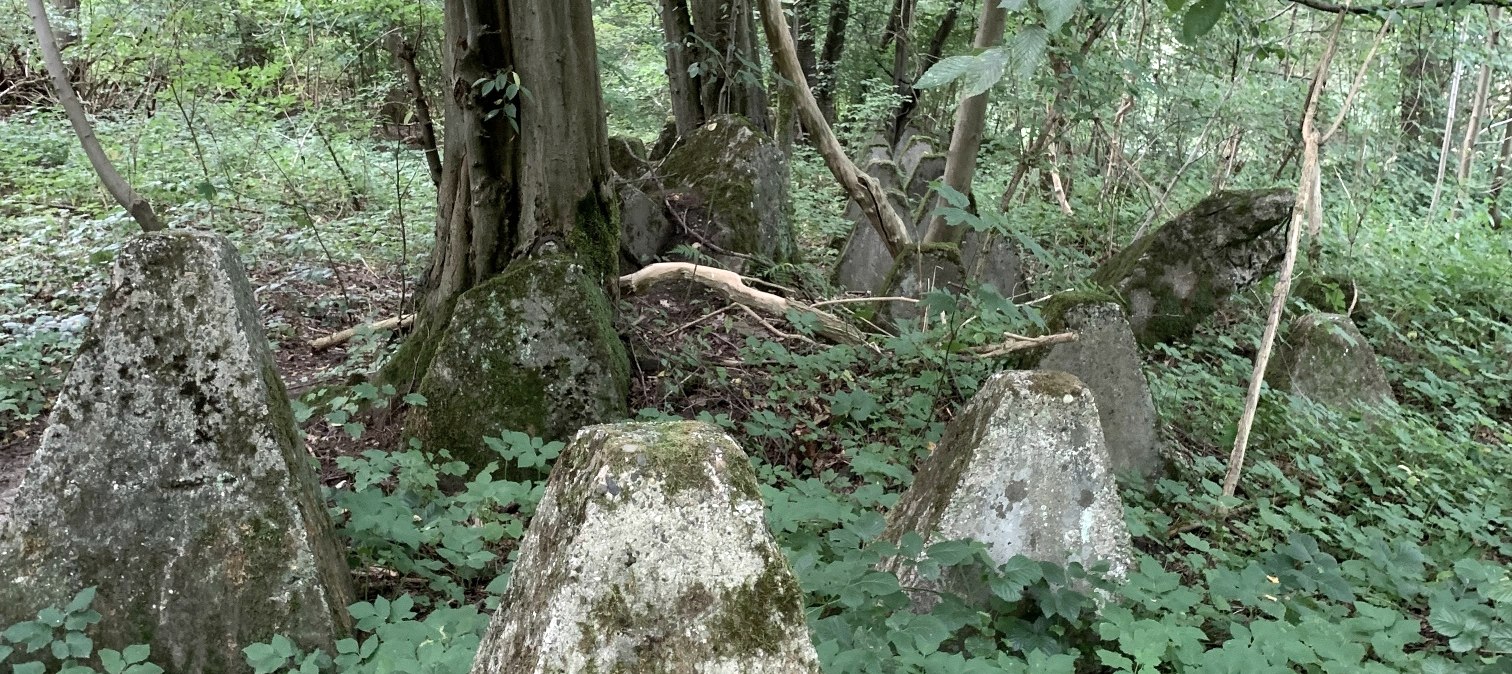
[1375, 10]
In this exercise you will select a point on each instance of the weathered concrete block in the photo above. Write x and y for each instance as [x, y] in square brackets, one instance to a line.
[1000, 266]
[1326, 359]
[1106, 359]
[645, 229]
[650, 553]
[864, 261]
[627, 156]
[917, 272]
[1024, 470]
[926, 170]
[172, 476]
[733, 182]
[532, 350]
[1174, 278]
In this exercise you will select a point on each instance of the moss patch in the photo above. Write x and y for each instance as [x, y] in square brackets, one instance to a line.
[532, 350]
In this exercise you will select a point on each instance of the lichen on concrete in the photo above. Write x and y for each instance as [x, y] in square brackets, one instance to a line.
[916, 272]
[1107, 360]
[532, 350]
[736, 180]
[648, 554]
[1024, 470]
[1172, 279]
[172, 476]
[1325, 358]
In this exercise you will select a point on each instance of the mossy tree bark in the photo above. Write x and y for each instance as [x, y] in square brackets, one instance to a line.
[525, 171]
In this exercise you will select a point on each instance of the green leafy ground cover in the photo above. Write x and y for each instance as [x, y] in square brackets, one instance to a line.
[1356, 546]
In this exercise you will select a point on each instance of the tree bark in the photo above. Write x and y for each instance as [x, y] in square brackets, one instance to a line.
[404, 54]
[931, 56]
[711, 54]
[1478, 104]
[829, 57]
[901, 36]
[1500, 178]
[863, 189]
[511, 188]
[966, 140]
[677, 26]
[134, 203]
[1438, 182]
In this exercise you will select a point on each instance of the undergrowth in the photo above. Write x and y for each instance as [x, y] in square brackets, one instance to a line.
[1361, 542]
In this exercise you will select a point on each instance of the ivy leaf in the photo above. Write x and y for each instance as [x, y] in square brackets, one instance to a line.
[1028, 48]
[945, 71]
[1057, 12]
[1013, 5]
[1200, 19]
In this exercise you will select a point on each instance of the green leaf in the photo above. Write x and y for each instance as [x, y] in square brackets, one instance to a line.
[1028, 48]
[1013, 5]
[81, 601]
[945, 71]
[987, 71]
[137, 653]
[1200, 19]
[29, 668]
[1057, 12]
[112, 660]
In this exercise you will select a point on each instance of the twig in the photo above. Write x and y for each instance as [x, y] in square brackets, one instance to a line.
[401, 323]
[1018, 343]
[853, 300]
[696, 321]
[773, 328]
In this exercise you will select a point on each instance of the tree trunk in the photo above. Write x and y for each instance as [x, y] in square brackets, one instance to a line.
[1478, 104]
[829, 57]
[404, 54]
[513, 187]
[711, 55]
[862, 188]
[1500, 178]
[966, 140]
[901, 36]
[931, 56]
[677, 26]
[1438, 182]
[134, 203]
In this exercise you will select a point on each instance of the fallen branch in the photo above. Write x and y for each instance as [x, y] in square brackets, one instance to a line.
[400, 323]
[1018, 343]
[733, 287]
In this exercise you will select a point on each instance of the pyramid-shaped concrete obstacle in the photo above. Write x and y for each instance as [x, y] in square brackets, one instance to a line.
[650, 553]
[1024, 470]
[172, 477]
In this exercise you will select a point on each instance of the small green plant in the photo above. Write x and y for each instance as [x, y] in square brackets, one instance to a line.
[445, 641]
[58, 638]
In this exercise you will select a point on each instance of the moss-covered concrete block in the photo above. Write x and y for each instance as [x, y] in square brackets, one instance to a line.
[649, 553]
[645, 229]
[1106, 359]
[1175, 277]
[1024, 470]
[532, 350]
[733, 187]
[917, 272]
[627, 156]
[993, 259]
[1325, 358]
[172, 476]
[922, 172]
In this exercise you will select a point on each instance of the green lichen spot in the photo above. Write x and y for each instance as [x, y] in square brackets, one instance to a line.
[1054, 384]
